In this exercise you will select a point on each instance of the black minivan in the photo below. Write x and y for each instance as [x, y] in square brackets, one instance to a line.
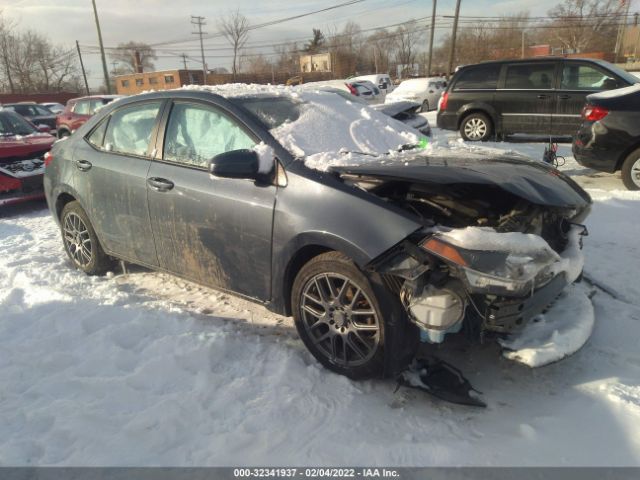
[540, 96]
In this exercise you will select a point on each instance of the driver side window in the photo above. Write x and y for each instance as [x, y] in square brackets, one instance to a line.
[197, 133]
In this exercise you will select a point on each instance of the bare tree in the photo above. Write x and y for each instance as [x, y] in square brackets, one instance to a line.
[407, 37]
[235, 28]
[134, 57]
[586, 24]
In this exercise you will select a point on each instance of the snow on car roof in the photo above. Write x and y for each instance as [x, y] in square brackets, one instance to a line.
[326, 122]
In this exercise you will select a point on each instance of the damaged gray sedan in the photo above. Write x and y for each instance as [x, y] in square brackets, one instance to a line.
[318, 208]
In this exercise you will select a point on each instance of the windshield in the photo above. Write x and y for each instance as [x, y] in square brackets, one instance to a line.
[13, 124]
[309, 123]
[412, 86]
[271, 111]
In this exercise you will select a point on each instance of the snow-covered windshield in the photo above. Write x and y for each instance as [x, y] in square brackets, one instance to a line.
[314, 122]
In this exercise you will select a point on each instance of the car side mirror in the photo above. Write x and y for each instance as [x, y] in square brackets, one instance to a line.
[235, 164]
[44, 128]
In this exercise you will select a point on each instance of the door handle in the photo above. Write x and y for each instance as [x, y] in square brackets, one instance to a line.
[160, 184]
[83, 165]
[543, 96]
[564, 97]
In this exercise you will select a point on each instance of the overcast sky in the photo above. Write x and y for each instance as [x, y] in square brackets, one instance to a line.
[153, 21]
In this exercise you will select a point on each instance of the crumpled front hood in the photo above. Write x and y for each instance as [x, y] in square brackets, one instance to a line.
[533, 181]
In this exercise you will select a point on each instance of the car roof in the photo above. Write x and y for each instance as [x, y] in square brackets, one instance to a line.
[96, 97]
[545, 58]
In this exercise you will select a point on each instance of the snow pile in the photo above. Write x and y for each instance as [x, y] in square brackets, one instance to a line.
[556, 334]
[487, 238]
[265, 157]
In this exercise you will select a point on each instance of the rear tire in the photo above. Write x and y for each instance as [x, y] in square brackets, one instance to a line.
[81, 242]
[339, 316]
[631, 171]
[476, 127]
[63, 134]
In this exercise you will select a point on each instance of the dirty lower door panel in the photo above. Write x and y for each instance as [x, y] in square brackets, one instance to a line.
[213, 230]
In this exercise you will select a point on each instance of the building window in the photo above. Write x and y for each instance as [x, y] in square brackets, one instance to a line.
[125, 83]
[139, 82]
[153, 80]
[168, 79]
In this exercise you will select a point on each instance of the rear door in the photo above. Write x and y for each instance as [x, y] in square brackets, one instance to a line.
[526, 97]
[577, 80]
[216, 231]
[111, 179]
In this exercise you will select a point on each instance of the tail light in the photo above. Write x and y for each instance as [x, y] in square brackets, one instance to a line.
[48, 158]
[352, 89]
[593, 113]
[443, 101]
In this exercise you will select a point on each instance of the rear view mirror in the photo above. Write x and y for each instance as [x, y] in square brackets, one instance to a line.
[235, 164]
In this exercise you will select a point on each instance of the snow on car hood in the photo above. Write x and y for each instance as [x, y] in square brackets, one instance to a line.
[327, 122]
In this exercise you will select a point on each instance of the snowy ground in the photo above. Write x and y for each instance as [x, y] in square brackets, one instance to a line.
[146, 369]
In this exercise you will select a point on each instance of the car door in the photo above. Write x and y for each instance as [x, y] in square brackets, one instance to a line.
[215, 231]
[525, 99]
[111, 180]
[434, 91]
[577, 80]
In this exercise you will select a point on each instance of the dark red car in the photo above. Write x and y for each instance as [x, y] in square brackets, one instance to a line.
[22, 150]
[78, 111]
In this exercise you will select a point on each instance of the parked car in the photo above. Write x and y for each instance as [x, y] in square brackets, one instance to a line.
[542, 96]
[79, 110]
[364, 90]
[304, 203]
[609, 137]
[425, 91]
[36, 114]
[381, 80]
[22, 150]
[406, 112]
[54, 107]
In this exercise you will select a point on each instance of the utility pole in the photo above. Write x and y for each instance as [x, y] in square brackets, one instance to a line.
[199, 22]
[104, 60]
[184, 60]
[431, 32]
[453, 39]
[622, 31]
[84, 74]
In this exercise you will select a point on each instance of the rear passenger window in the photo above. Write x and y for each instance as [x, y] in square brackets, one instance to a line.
[480, 77]
[586, 77]
[196, 133]
[96, 138]
[537, 76]
[130, 128]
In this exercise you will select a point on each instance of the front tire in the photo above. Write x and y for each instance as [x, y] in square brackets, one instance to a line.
[476, 127]
[631, 171]
[81, 242]
[338, 316]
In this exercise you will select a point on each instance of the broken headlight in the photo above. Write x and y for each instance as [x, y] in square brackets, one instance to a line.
[496, 272]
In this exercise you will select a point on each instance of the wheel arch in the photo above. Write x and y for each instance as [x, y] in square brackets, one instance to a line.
[483, 108]
[634, 146]
[300, 250]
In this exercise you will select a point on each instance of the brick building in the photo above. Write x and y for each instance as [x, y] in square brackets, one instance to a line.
[133, 83]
